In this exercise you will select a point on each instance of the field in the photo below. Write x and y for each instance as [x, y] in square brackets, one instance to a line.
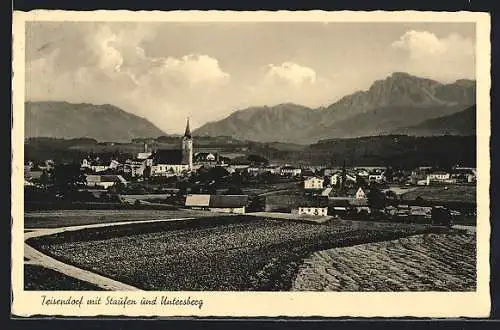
[430, 262]
[220, 253]
[40, 278]
[453, 193]
[64, 218]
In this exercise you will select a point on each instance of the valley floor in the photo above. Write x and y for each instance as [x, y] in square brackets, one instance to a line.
[248, 253]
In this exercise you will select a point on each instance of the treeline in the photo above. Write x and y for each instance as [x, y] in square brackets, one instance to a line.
[397, 151]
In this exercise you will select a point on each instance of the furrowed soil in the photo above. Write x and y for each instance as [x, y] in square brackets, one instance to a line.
[221, 253]
[429, 262]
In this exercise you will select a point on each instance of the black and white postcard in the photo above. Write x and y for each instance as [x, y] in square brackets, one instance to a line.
[267, 164]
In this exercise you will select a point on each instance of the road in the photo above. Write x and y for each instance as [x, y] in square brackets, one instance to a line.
[36, 257]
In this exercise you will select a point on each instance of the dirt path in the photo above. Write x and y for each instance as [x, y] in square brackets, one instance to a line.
[36, 257]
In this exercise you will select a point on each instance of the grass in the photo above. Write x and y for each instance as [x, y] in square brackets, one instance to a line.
[221, 253]
[41, 278]
[454, 193]
[430, 262]
[63, 218]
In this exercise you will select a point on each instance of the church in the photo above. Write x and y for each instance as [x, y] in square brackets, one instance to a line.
[170, 162]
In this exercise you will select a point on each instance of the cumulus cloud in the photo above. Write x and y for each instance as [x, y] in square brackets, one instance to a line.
[117, 70]
[290, 72]
[447, 58]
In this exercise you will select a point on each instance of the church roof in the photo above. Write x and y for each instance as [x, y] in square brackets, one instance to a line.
[187, 133]
[168, 156]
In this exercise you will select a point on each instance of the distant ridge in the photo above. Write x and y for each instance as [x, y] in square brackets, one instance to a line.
[460, 123]
[101, 122]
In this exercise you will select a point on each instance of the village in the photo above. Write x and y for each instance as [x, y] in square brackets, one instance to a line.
[182, 178]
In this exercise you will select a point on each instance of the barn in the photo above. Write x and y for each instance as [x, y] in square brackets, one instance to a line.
[217, 203]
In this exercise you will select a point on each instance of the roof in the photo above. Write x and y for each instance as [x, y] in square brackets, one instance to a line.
[143, 155]
[168, 156]
[311, 178]
[187, 133]
[202, 156]
[297, 200]
[217, 201]
[314, 201]
[35, 174]
[105, 178]
[222, 201]
[289, 168]
[358, 202]
[197, 200]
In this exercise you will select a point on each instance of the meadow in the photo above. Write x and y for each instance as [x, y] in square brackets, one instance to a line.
[234, 253]
[64, 218]
[450, 193]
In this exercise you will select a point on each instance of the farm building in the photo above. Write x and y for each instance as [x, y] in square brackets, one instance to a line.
[299, 204]
[312, 206]
[218, 203]
[104, 181]
[290, 171]
[314, 183]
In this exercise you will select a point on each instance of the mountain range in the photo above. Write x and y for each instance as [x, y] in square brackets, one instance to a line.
[101, 122]
[460, 123]
[398, 101]
[399, 104]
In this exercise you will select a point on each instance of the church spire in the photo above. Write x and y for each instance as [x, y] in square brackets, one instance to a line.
[187, 133]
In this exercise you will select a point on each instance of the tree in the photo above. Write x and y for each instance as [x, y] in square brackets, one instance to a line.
[234, 190]
[67, 178]
[257, 160]
[376, 199]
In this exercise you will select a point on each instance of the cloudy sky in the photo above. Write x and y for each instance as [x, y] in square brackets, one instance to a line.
[168, 71]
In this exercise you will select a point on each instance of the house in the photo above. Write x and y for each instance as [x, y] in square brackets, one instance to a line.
[336, 178]
[313, 206]
[351, 177]
[135, 167]
[254, 170]
[207, 158]
[360, 205]
[439, 177]
[114, 164]
[376, 177]
[290, 171]
[314, 183]
[143, 155]
[236, 168]
[327, 191]
[104, 181]
[96, 165]
[272, 169]
[363, 173]
[217, 203]
[360, 194]
[464, 175]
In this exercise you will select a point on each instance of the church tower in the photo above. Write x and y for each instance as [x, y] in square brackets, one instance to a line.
[187, 147]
